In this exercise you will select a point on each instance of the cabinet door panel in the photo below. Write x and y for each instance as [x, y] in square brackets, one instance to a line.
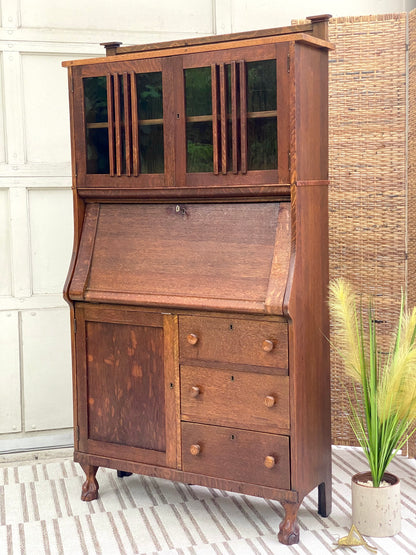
[122, 131]
[126, 393]
[235, 116]
[125, 385]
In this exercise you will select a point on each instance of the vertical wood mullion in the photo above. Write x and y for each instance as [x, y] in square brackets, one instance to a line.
[134, 125]
[243, 116]
[127, 122]
[215, 135]
[234, 116]
[117, 122]
[223, 113]
[110, 115]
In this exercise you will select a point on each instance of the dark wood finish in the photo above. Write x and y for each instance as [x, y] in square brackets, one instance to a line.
[235, 454]
[320, 25]
[134, 125]
[111, 47]
[233, 340]
[198, 299]
[117, 121]
[223, 117]
[229, 265]
[216, 396]
[243, 116]
[110, 110]
[307, 334]
[137, 416]
[289, 527]
[234, 116]
[90, 487]
[305, 28]
[215, 116]
[188, 477]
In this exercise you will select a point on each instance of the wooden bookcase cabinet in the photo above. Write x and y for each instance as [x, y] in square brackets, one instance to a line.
[199, 275]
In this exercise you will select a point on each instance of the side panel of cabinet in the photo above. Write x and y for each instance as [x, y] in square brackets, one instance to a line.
[127, 390]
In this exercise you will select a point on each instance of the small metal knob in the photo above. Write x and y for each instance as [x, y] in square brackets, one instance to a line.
[192, 339]
[269, 461]
[270, 401]
[267, 345]
[195, 391]
[195, 449]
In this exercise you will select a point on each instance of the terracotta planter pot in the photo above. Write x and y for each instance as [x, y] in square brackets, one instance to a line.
[376, 511]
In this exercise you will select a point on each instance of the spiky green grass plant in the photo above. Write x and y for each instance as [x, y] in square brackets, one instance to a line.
[383, 398]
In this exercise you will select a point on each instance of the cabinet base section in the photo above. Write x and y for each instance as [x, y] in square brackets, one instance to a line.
[288, 530]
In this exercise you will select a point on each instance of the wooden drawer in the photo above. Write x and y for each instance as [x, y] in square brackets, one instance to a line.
[238, 455]
[233, 340]
[246, 400]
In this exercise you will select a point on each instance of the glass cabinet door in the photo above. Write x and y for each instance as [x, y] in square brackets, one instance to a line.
[231, 116]
[184, 121]
[123, 123]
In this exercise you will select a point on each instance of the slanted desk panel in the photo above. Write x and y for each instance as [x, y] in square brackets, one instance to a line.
[218, 255]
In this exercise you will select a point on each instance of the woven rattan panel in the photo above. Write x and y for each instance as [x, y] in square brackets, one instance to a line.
[412, 176]
[367, 165]
[367, 157]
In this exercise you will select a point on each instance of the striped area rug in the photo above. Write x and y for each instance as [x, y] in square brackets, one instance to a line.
[41, 513]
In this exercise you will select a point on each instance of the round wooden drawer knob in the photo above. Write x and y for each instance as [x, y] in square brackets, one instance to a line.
[269, 461]
[270, 401]
[267, 345]
[195, 449]
[195, 391]
[192, 339]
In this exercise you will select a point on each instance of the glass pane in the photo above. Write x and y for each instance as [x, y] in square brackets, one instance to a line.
[97, 150]
[261, 86]
[199, 148]
[198, 97]
[262, 143]
[95, 99]
[151, 149]
[149, 95]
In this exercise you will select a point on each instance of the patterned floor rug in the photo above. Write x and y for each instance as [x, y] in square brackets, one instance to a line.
[41, 513]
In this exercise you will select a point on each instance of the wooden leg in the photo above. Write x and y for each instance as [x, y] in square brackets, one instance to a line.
[325, 498]
[123, 473]
[90, 486]
[289, 527]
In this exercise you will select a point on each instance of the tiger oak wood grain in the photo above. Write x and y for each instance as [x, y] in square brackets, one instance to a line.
[198, 299]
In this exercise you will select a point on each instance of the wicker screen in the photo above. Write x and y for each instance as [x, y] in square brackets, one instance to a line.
[367, 165]
[411, 231]
[367, 160]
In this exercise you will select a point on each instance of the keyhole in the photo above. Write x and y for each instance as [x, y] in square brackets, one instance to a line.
[232, 378]
[231, 326]
[177, 116]
[232, 436]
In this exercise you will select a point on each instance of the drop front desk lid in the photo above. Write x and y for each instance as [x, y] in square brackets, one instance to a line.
[218, 256]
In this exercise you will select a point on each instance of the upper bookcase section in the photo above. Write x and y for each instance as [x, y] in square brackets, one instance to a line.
[212, 117]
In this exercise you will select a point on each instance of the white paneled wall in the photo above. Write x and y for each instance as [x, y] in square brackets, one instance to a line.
[35, 181]
[36, 226]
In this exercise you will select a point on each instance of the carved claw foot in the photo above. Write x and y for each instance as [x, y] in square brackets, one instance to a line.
[90, 486]
[289, 527]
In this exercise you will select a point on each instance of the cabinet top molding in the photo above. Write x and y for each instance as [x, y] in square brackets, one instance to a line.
[314, 33]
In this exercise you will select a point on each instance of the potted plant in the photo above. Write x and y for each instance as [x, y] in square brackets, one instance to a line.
[382, 402]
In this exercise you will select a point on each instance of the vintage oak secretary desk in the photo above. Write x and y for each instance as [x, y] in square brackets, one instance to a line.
[198, 280]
